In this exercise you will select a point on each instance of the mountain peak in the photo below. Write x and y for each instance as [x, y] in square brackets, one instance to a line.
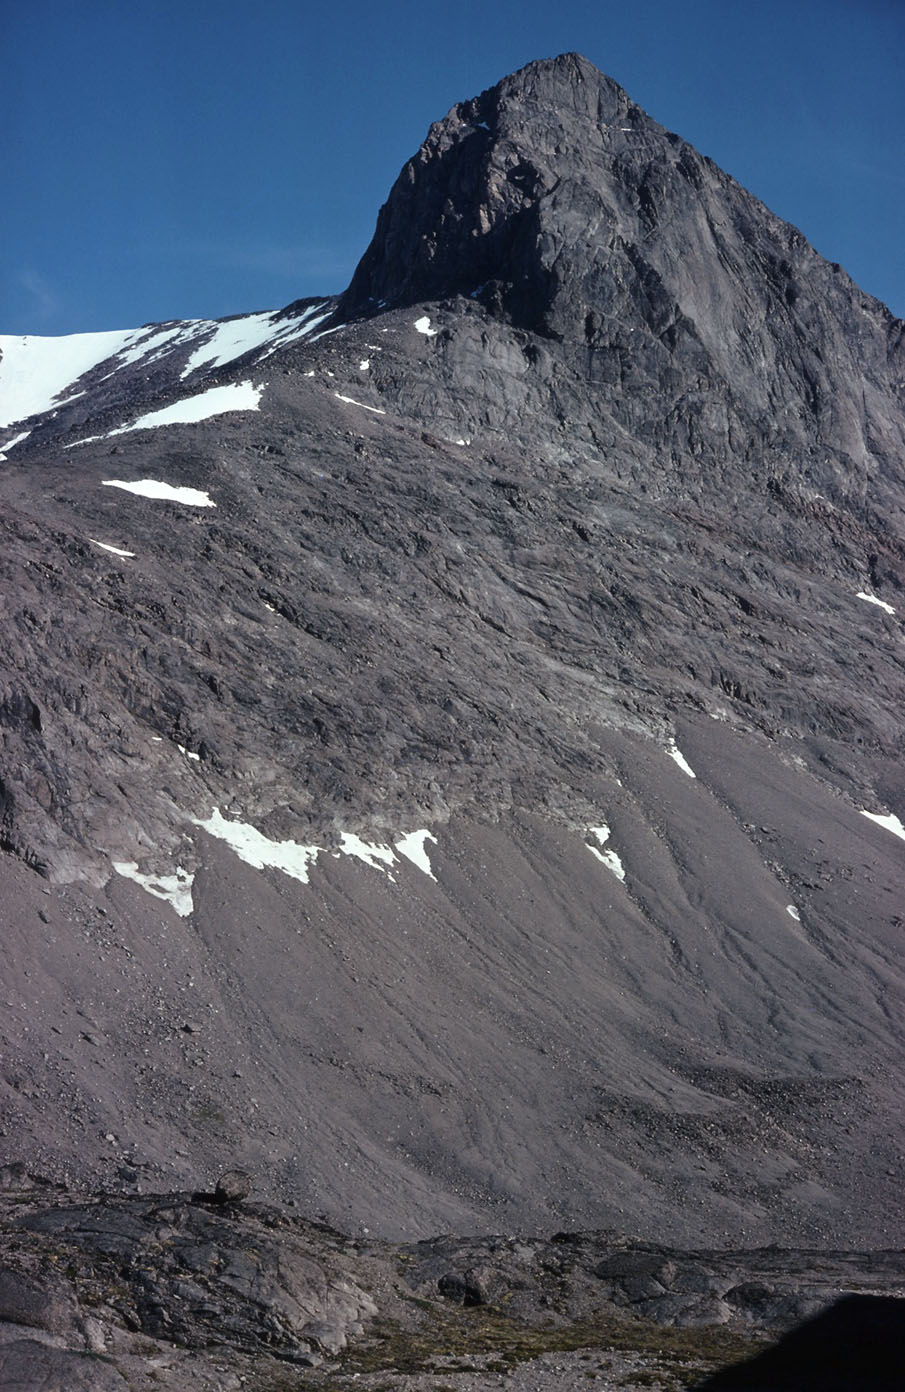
[460, 213]
[553, 74]
[559, 207]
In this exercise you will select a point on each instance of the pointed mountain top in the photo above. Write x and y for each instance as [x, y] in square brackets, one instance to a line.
[556, 78]
[460, 209]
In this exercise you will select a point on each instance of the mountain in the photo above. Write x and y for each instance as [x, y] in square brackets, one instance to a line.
[452, 732]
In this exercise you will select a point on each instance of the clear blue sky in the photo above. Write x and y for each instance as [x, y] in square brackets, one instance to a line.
[188, 158]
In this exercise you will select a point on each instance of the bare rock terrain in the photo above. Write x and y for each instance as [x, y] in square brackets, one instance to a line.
[188, 1291]
[449, 816]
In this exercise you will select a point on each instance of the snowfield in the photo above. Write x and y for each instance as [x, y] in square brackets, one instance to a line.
[35, 372]
[40, 374]
[236, 337]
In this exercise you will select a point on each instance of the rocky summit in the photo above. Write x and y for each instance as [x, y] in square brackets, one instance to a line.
[451, 781]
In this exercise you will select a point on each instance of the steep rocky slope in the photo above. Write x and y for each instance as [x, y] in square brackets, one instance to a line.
[451, 808]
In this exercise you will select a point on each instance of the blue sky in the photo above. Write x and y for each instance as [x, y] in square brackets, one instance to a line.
[189, 158]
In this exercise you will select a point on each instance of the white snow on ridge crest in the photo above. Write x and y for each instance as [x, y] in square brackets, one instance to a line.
[36, 371]
[236, 337]
[149, 344]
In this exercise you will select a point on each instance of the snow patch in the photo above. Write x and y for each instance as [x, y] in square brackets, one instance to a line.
[872, 599]
[423, 325]
[176, 889]
[888, 820]
[151, 344]
[17, 439]
[37, 374]
[413, 848]
[793, 912]
[89, 439]
[609, 858]
[377, 856]
[231, 340]
[259, 851]
[349, 402]
[297, 860]
[127, 555]
[364, 365]
[324, 332]
[188, 753]
[680, 759]
[305, 325]
[216, 401]
[153, 488]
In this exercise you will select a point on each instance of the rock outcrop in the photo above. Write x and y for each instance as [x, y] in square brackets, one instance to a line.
[169, 1289]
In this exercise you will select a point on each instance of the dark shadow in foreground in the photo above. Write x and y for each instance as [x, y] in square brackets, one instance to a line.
[857, 1345]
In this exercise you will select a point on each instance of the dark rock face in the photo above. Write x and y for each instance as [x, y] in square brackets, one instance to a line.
[588, 484]
[682, 311]
[481, 210]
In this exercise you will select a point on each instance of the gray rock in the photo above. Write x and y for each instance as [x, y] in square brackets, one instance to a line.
[41, 1303]
[27, 1366]
[233, 1187]
[481, 1285]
